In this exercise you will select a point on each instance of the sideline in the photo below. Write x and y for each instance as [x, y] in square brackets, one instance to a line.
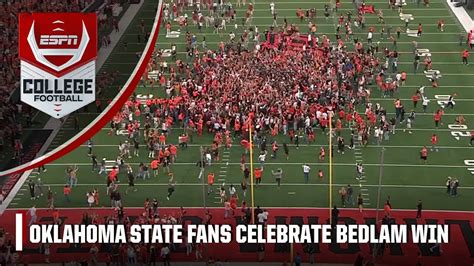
[461, 14]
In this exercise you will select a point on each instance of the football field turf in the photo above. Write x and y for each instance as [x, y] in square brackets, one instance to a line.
[405, 179]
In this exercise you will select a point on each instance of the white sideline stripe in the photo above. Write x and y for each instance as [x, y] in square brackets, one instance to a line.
[338, 164]
[273, 184]
[462, 16]
[220, 208]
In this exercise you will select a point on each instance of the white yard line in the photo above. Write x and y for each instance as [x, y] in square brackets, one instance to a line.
[322, 145]
[273, 184]
[288, 163]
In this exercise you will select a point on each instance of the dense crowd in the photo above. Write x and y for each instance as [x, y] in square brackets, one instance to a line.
[286, 80]
[276, 86]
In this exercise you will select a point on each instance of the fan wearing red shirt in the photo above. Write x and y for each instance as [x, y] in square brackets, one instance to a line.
[112, 177]
[323, 123]
[434, 143]
[322, 154]
[465, 55]
[349, 118]
[415, 98]
[424, 154]
[437, 118]
[258, 175]
[174, 152]
[210, 182]
[342, 114]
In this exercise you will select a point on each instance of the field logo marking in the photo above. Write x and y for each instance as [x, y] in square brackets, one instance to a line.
[470, 163]
[458, 134]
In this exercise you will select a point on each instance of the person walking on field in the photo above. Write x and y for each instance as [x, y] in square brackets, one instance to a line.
[210, 183]
[343, 194]
[349, 197]
[434, 143]
[465, 55]
[424, 155]
[306, 170]
[360, 202]
[419, 208]
[278, 174]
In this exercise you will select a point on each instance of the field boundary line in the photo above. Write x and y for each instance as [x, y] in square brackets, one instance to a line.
[282, 163]
[271, 184]
[319, 145]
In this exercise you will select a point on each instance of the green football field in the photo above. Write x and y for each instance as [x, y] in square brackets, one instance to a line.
[404, 178]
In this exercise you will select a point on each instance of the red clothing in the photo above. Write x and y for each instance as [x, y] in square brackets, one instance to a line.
[424, 152]
[210, 179]
[258, 173]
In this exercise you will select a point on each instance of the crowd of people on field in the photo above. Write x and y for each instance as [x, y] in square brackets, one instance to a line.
[276, 87]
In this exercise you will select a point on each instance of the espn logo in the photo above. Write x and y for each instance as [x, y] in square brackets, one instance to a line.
[57, 53]
[58, 39]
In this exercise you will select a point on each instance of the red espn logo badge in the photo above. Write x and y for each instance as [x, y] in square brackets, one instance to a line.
[57, 53]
